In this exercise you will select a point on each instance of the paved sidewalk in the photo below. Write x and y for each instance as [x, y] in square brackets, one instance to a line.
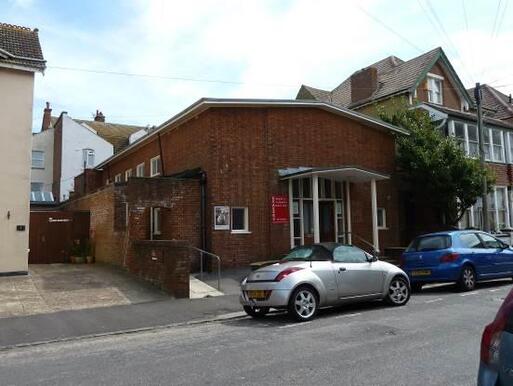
[59, 287]
[80, 323]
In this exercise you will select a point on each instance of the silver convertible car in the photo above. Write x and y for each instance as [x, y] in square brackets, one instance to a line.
[321, 275]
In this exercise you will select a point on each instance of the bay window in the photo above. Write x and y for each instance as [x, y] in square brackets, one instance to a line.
[497, 145]
[473, 141]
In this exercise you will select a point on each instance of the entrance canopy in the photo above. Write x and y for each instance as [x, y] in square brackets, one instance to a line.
[341, 173]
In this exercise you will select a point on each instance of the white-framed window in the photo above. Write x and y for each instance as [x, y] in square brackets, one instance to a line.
[38, 159]
[139, 170]
[434, 88]
[466, 136]
[155, 221]
[497, 145]
[498, 211]
[473, 140]
[382, 218]
[240, 221]
[128, 174]
[88, 158]
[155, 168]
[117, 178]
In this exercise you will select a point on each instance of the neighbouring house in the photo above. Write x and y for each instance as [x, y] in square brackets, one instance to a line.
[20, 58]
[65, 147]
[430, 82]
[247, 180]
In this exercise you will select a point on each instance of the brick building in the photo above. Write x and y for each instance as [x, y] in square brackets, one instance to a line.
[248, 179]
[430, 82]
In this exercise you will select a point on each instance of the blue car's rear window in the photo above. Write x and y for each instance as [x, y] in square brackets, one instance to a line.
[429, 243]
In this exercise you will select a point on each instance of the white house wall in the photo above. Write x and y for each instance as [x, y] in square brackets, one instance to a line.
[16, 88]
[75, 138]
[43, 141]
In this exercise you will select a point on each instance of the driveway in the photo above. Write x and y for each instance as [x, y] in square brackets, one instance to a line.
[59, 287]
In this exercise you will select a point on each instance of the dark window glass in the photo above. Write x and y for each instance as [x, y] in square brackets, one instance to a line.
[490, 242]
[238, 220]
[307, 192]
[295, 188]
[327, 189]
[470, 240]
[349, 254]
[338, 189]
[429, 243]
[308, 253]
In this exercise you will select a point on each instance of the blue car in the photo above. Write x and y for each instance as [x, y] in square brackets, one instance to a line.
[496, 366]
[464, 257]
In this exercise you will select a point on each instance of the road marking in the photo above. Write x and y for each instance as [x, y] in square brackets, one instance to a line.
[348, 315]
[470, 293]
[434, 300]
[295, 325]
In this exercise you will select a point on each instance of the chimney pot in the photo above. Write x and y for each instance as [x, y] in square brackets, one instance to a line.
[47, 117]
[99, 117]
[363, 84]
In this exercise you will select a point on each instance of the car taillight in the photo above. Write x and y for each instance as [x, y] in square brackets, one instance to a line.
[491, 340]
[449, 258]
[286, 272]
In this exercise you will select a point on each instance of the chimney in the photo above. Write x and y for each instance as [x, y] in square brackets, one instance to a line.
[363, 84]
[99, 117]
[47, 117]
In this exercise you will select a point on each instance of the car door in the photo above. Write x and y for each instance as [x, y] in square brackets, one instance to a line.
[494, 256]
[471, 247]
[356, 276]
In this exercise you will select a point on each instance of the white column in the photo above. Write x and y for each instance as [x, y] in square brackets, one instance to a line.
[348, 212]
[496, 209]
[291, 215]
[315, 197]
[374, 205]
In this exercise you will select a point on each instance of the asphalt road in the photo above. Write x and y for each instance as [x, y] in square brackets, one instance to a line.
[434, 340]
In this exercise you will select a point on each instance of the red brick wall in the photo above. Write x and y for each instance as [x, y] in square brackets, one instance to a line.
[108, 243]
[165, 264]
[503, 177]
[450, 96]
[241, 149]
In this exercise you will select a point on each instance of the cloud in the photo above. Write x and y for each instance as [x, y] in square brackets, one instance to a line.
[269, 47]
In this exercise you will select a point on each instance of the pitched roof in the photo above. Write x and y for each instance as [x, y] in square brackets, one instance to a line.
[495, 102]
[115, 133]
[20, 47]
[394, 76]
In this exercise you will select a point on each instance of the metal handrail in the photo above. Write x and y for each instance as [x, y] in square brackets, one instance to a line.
[368, 243]
[201, 251]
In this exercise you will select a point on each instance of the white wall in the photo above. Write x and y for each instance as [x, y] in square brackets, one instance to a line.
[75, 138]
[43, 141]
[16, 96]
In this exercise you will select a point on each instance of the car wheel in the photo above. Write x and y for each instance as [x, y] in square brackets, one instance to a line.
[256, 312]
[416, 287]
[398, 292]
[303, 304]
[467, 280]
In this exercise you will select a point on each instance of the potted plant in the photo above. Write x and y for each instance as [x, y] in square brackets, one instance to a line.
[88, 252]
[76, 252]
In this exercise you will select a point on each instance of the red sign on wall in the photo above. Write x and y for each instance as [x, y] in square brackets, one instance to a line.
[280, 209]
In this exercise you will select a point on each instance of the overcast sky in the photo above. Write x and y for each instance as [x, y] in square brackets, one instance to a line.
[260, 49]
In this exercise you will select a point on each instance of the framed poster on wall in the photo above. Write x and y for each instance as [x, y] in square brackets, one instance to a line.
[221, 218]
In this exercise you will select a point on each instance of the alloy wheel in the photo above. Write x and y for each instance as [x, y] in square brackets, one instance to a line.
[468, 278]
[305, 304]
[398, 291]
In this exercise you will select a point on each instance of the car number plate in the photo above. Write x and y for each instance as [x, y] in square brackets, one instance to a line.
[256, 294]
[421, 272]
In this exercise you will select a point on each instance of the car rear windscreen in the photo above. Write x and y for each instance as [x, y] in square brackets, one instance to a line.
[429, 243]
